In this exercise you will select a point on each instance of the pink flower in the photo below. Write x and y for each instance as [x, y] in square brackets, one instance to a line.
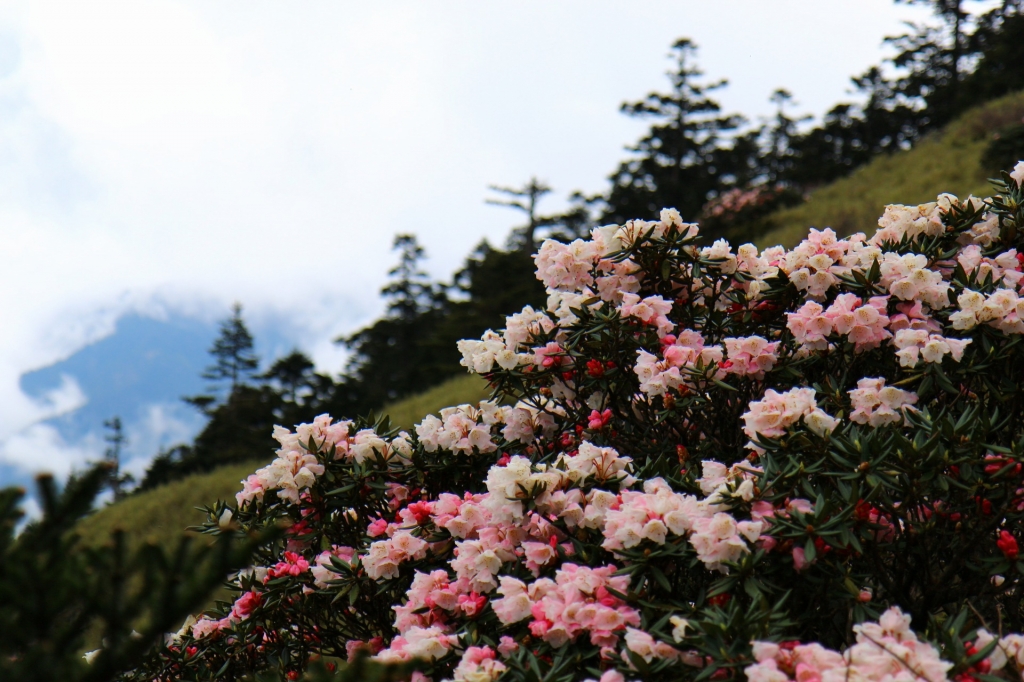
[566, 266]
[538, 554]
[507, 646]
[916, 345]
[550, 355]
[245, 604]
[383, 557]
[1018, 174]
[750, 356]
[471, 604]
[652, 310]
[321, 567]
[876, 404]
[863, 324]
[776, 412]
[810, 326]
[515, 604]
[799, 559]
[599, 419]
[293, 565]
[814, 265]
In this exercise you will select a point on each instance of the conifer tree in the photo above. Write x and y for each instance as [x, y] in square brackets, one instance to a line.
[389, 358]
[61, 594]
[523, 199]
[674, 165]
[293, 375]
[934, 57]
[233, 361]
[778, 157]
[118, 482]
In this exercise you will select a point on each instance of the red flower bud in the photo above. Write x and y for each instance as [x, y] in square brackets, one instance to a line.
[719, 599]
[1008, 545]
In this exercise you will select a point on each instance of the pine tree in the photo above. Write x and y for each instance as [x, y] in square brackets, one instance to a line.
[293, 375]
[117, 481]
[234, 361]
[523, 199]
[60, 592]
[410, 292]
[303, 392]
[998, 41]
[935, 59]
[233, 352]
[778, 158]
[674, 166]
[390, 358]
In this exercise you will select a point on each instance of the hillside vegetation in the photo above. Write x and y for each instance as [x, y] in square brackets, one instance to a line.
[160, 516]
[945, 161]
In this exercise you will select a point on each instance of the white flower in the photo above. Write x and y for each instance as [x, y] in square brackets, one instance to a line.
[1018, 174]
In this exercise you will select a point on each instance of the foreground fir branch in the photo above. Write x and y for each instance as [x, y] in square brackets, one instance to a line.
[57, 594]
[699, 463]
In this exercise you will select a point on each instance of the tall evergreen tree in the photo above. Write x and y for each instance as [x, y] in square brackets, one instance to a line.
[410, 291]
[234, 361]
[292, 375]
[302, 390]
[674, 163]
[998, 42]
[389, 358]
[934, 59]
[117, 481]
[778, 157]
[524, 199]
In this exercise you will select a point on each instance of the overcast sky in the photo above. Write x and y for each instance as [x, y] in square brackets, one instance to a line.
[163, 155]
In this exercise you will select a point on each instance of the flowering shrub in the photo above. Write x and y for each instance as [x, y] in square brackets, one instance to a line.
[696, 458]
[746, 205]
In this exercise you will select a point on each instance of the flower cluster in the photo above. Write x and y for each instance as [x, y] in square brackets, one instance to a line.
[877, 404]
[694, 456]
[886, 650]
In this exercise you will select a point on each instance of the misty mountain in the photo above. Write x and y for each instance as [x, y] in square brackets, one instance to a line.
[138, 373]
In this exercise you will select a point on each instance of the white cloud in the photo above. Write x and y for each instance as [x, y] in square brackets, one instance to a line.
[31, 508]
[162, 426]
[67, 397]
[40, 448]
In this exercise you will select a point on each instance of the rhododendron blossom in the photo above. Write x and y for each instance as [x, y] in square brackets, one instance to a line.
[877, 404]
[694, 453]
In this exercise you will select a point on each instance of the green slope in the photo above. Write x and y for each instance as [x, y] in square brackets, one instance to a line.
[161, 515]
[461, 389]
[946, 161]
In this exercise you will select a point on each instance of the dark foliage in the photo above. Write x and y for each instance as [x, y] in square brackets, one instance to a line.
[55, 591]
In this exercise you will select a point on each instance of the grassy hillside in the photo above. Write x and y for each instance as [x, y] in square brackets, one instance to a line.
[946, 161]
[161, 515]
[464, 388]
